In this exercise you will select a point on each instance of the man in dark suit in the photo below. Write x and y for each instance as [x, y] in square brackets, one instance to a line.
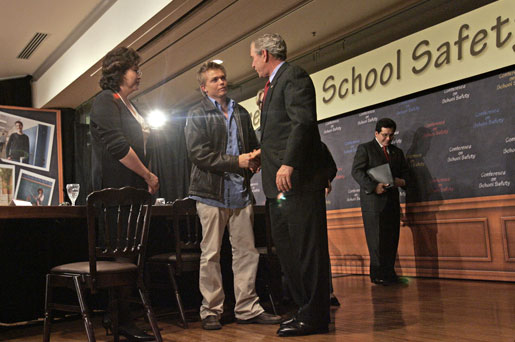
[380, 202]
[294, 179]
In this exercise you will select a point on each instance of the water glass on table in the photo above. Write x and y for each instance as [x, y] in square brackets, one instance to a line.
[73, 191]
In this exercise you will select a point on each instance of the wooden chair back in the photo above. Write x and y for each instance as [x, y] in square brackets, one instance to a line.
[186, 229]
[118, 223]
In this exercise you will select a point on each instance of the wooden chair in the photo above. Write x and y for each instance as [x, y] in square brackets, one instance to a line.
[118, 222]
[187, 235]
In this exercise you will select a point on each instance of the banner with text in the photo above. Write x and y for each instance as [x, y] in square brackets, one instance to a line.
[473, 43]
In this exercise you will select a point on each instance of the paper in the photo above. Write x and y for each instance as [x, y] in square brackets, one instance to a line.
[381, 174]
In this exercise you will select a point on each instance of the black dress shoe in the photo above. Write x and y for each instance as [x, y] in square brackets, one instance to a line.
[333, 301]
[299, 328]
[288, 321]
[377, 281]
[134, 334]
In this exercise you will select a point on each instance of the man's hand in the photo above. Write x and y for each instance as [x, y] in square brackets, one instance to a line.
[246, 161]
[256, 154]
[328, 188]
[283, 178]
[250, 160]
[256, 157]
[398, 182]
[380, 188]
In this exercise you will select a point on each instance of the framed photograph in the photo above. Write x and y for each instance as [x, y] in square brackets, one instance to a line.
[6, 183]
[34, 188]
[30, 141]
[27, 142]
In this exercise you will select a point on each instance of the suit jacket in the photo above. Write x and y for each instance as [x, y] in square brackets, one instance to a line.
[371, 155]
[289, 132]
[113, 131]
[330, 164]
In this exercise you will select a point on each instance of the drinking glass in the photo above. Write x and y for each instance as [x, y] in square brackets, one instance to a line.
[73, 192]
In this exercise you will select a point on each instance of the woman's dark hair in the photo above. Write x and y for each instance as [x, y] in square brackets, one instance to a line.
[114, 66]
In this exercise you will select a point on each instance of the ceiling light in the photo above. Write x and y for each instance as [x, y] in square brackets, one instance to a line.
[218, 61]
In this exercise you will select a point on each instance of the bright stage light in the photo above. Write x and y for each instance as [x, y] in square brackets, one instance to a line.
[156, 119]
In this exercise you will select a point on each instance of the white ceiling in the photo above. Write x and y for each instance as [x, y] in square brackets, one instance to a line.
[22, 19]
[176, 39]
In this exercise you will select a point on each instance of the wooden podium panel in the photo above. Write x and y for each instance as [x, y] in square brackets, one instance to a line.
[463, 238]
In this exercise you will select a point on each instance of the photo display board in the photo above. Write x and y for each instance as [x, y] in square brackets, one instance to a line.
[30, 156]
[459, 142]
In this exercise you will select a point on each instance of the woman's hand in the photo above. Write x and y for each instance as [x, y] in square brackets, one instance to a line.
[132, 162]
[153, 182]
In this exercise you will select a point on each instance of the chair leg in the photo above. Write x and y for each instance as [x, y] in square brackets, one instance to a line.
[113, 311]
[48, 309]
[84, 310]
[177, 296]
[150, 313]
[267, 285]
[271, 300]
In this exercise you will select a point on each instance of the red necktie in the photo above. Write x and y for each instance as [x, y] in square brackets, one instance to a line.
[267, 85]
[386, 153]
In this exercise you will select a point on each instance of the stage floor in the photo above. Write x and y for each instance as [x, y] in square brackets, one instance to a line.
[420, 310]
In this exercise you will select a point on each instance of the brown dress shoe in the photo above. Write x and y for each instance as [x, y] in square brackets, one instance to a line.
[262, 318]
[211, 323]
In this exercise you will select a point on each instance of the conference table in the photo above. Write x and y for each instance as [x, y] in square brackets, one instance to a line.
[34, 239]
[77, 212]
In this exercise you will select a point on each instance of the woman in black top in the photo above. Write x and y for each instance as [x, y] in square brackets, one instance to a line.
[119, 145]
[119, 148]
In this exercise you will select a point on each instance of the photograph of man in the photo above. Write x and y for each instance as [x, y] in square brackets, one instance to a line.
[380, 202]
[220, 141]
[294, 182]
[18, 145]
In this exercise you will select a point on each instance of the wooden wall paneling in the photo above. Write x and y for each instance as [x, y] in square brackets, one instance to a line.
[465, 238]
[508, 236]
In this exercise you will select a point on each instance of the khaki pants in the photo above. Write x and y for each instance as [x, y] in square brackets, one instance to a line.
[245, 260]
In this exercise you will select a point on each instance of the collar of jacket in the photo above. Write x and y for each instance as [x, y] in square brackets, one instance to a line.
[209, 106]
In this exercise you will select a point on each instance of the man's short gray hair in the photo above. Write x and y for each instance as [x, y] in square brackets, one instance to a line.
[273, 43]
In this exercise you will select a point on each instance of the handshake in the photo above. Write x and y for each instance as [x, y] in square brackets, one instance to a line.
[251, 160]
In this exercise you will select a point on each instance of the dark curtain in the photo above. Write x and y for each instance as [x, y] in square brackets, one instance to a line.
[82, 164]
[67, 138]
[76, 153]
[16, 92]
[170, 159]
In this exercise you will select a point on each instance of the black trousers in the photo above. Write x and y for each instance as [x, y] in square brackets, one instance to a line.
[299, 232]
[382, 234]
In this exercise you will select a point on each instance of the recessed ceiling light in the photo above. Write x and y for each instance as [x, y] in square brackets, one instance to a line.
[218, 61]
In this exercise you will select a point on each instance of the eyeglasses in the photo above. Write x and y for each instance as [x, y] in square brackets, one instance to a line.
[137, 71]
